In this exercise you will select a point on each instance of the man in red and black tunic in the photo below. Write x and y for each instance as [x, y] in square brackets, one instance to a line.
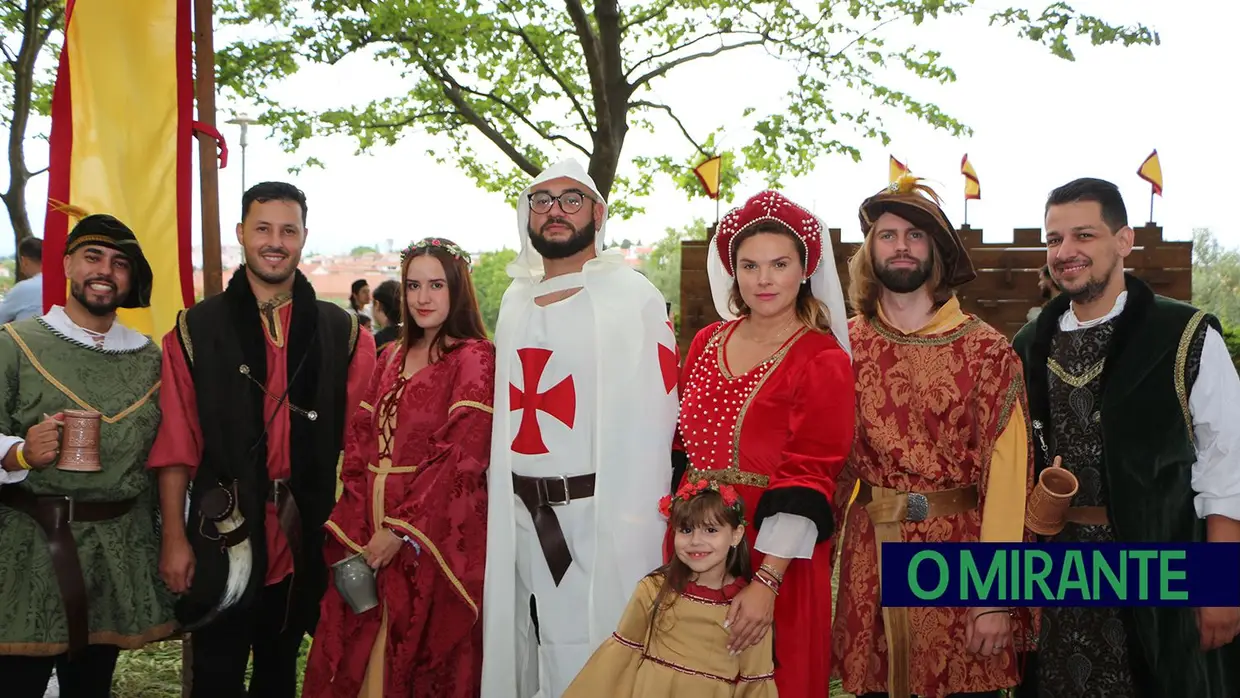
[258, 383]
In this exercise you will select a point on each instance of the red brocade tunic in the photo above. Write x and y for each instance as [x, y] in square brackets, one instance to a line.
[780, 434]
[937, 409]
[416, 455]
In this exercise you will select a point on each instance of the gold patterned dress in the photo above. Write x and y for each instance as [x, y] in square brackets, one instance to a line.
[685, 657]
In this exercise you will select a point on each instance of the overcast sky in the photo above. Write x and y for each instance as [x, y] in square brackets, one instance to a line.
[1039, 121]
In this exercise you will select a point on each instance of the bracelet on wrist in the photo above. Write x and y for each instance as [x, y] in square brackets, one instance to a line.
[771, 571]
[21, 457]
[769, 584]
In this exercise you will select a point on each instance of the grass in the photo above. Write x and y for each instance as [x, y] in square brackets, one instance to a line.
[155, 671]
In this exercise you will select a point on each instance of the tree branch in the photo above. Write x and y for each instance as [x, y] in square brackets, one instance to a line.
[687, 44]
[664, 107]
[36, 173]
[452, 91]
[542, 60]
[409, 119]
[525, 119]
[661, 70]
[8, 57]
[648, 16]
[589, 49]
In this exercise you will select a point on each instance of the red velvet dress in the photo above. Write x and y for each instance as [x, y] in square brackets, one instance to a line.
[416, 456]
[780, 434]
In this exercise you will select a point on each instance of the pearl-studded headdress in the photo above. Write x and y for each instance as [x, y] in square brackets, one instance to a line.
[818, 260]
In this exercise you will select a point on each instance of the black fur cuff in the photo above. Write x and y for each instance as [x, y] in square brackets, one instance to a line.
[801, 501]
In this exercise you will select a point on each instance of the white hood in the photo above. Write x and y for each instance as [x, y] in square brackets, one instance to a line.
[529, 264]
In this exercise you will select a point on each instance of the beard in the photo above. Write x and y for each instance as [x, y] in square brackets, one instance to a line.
[559, 249]
[279, 276]
[905, 280]
[1092, 289]
[78, 291]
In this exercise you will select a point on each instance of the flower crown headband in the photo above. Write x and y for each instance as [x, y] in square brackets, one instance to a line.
[689, 490]
[436, 243]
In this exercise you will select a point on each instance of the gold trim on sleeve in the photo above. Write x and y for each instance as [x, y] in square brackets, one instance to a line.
[340, 535]
[1181, 363]
[367, 406]
[443, 564]
[183, 330]
[69, 393]
[471, 403]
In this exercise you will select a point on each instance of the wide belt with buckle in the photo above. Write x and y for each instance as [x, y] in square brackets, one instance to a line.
[539, 494]
[54, 514]
[889, 508]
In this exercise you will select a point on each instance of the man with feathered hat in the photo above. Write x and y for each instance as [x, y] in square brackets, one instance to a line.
[585, 409]
[941, 453]
[79, 552]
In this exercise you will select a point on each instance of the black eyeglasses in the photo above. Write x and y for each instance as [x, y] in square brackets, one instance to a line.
[570, 201]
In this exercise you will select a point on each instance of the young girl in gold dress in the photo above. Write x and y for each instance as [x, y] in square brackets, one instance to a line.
[673, 638]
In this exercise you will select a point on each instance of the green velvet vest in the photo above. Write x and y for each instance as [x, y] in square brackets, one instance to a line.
[1148, 453]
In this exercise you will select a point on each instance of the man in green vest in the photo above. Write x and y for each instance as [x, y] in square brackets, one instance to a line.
[79, 572]
[1136, 395]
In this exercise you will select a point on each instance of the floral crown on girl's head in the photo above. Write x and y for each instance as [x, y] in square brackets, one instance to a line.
[689, 490]
[436, 243]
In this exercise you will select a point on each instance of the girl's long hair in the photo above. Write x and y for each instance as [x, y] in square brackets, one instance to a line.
[810, 311]
[464, 319]
[705, 509]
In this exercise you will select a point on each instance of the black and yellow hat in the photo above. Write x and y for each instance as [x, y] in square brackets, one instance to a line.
[106, 231]
[918, 204]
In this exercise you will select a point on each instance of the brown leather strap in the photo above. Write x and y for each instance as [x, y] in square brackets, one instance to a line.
[889, 508]
[55, 514]
[539, 494]
[1087, 516]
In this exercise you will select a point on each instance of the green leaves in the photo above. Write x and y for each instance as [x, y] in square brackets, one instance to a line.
[507, 86]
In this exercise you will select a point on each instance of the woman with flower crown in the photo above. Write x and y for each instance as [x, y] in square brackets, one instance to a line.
[671, 641]
[413, 503]
[767, 406]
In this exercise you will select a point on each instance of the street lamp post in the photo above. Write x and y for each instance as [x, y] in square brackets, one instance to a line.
[244, 122]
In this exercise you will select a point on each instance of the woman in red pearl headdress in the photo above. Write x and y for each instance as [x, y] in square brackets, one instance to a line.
[767, 405]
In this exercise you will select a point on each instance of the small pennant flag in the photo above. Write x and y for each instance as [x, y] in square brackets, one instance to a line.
[1151, 171]
[708, 174]
[895, 170]
[972, 187]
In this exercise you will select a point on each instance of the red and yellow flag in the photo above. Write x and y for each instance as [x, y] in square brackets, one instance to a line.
[972, 187]
[1151, 171]
[895, 169]
[708, 173]
[122, 130]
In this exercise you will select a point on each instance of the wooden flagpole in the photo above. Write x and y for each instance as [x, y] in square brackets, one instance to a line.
[204, 91]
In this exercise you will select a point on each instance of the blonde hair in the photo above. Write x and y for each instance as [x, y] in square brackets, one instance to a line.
[810, 311]
[865, 288]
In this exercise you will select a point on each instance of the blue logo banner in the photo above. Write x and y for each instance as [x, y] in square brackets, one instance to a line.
[1061, 574]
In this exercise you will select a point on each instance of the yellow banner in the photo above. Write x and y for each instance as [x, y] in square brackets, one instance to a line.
[130, 123]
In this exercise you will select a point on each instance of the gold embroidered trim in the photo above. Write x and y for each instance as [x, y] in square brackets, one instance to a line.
[966, 327]
[183, 329]
[274, 326]
[1181, 363]
[1009, 400]
[69, 393]
[1076, 381]
[728, 476]
[353, 329]
[443, 564]
[340, 536]
[471, 403]
[367, 406]
[775, 360]
[103, 637]
[391, 469]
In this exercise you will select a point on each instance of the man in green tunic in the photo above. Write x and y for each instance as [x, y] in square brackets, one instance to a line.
[79, 550]
[1136, 395]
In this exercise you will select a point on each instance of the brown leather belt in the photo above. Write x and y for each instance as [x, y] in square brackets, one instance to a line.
[889, 508]
[1087, 516]
[54, 514]
[290, 522]
[539, 494]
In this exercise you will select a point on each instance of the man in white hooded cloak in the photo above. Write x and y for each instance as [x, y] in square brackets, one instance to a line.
[585, 410]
